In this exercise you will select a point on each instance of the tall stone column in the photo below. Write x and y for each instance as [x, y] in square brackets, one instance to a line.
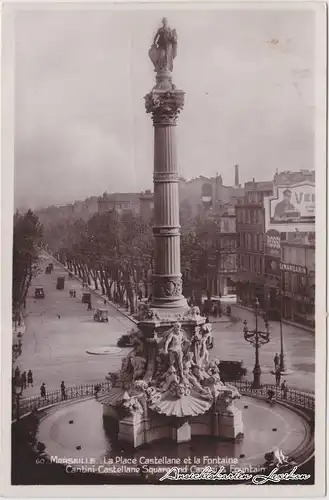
[165, 102]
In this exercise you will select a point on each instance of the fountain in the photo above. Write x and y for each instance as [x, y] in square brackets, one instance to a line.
[167, 386]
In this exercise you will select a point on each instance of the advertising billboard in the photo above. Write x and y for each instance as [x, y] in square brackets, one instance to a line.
[293, 203]
[291, 207]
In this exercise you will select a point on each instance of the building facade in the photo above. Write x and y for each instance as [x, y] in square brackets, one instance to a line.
[222, 277]
[298, 278]
[250, 224]
[146, 200]
[276, 267]
[120, 202]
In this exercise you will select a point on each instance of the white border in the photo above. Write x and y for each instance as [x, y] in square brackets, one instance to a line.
[7, 212]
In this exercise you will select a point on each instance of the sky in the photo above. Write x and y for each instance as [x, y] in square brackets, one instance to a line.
[81, 75]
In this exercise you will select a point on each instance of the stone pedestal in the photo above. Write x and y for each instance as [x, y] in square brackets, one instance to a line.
[230, 424]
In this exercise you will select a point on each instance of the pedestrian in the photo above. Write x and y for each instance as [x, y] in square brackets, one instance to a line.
[228, 311]
[284, 389]
[74, 294]
[276, 361]
[104, 302]
[17, 373]
[29, 378]
[58, 316]
[89, 306]
[277, 376]
[271, 395]
[23, 379]
[43, 390]
[63, 390]
[97, 388]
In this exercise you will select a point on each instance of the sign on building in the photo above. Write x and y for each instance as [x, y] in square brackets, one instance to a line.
[291, 207]
[273, 243]
[284, 266]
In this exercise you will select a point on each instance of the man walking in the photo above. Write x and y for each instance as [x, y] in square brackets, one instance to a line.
[43, 390]
[277, 376]
[284, 389]
[23, 379]
[29, 378]
[276, 361]
[63, 390]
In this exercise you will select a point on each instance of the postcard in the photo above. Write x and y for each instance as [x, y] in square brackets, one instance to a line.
[163, 254]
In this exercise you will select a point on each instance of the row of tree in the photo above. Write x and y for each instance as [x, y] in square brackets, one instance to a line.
[112, 252]
[115, 253]
[27, 239]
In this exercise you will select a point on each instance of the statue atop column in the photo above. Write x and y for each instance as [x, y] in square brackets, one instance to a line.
[164, 48]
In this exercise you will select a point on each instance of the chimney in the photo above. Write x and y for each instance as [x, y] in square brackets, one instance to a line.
[236, 177]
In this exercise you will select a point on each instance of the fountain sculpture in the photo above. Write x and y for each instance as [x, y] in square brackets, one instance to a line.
[167, 386]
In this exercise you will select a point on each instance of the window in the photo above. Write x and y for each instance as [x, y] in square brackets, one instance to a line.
[254, 216]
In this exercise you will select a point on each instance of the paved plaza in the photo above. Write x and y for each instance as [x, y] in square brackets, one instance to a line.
[60, 331]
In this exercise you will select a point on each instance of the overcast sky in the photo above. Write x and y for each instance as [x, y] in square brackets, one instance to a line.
[81, 128]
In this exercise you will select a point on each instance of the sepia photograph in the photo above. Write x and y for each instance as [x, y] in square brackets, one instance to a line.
[164, 265]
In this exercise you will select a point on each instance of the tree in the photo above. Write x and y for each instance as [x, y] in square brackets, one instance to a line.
[199, 250]
[111, 250]
[26, 245]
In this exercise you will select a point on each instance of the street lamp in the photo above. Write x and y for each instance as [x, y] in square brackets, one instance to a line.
[257, 338]
[18, 390]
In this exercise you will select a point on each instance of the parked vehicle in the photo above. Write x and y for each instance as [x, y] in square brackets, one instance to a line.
[101, 316]
[231, 370]
[125, 341]
[273, 314]
[60, 283]
[86, 297]
[39, 292]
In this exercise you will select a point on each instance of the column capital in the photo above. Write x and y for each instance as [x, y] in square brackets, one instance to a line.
[165, 105]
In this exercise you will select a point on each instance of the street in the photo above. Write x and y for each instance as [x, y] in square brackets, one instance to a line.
[59, 331]
[55, 348]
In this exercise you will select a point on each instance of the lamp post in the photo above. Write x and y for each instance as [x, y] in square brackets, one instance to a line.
[18, 390]
[257, 338]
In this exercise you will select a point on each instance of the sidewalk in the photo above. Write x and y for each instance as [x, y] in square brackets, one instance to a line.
[284, 321]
